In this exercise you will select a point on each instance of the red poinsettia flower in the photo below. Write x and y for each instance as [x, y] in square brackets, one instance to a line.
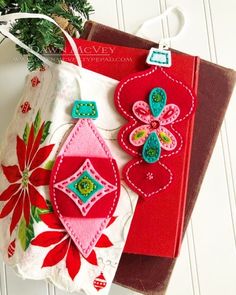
[64, 246]
[25, 177]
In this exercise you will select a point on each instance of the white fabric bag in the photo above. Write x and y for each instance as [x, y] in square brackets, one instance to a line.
[45, 105]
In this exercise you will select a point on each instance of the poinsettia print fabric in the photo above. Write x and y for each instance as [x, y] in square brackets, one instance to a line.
[64, 247]
[33, 239]
[21, 197]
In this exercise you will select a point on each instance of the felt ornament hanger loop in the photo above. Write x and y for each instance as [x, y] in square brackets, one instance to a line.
[6, 20]
[164, 43]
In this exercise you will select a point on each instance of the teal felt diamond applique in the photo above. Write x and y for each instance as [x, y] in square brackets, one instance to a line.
[85, 186]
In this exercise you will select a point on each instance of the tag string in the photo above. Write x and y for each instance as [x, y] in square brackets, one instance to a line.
[144, 30]
[6, 20]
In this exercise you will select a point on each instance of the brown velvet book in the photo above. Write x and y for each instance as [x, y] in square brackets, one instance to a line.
[150, 275]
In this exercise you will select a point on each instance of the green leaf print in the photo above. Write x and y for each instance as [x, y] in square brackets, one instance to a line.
[37, 123]
[26, 233]
[46, 131]
[26, 133]
[48, 165]
[36, 212]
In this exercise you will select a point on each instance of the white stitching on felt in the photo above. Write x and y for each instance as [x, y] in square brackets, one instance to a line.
[123, 142]
[104, 223]
[126, 82]
[180, 146]
[164, 156]
[131, 117]
[141, 191]
[130, 126]
[176, 114]
[85, 207]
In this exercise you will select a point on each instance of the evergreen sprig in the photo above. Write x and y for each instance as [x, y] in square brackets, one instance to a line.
[42, 35]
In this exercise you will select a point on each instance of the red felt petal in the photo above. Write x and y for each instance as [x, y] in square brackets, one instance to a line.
[21, 152]
[27, 208]
[92, 258]
[10, 205]
[56, 254]
[40, 176]
[73, 261]
[36, 144]
[51, 221]
[48, 238]
[30, 144]
[41, 156]
[12, 173]
[36, 199]
[16, 214]
[9, 192]
[104, 242]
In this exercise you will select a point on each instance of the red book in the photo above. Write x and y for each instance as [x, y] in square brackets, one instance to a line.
[157, 225]
[221, 81]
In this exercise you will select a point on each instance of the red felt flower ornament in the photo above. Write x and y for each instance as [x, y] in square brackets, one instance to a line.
[26, 175]
[157, 108]
[63, 245]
